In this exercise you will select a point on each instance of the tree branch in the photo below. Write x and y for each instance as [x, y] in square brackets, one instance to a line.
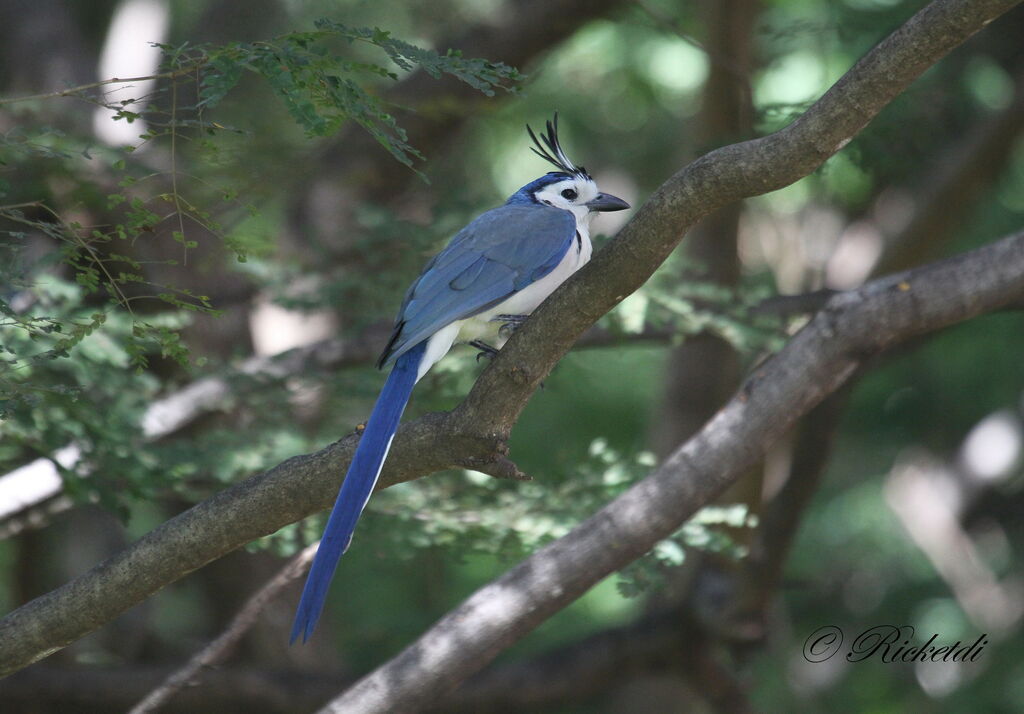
[737, 171]
[32, 494]
[816, 362]
[868, 319]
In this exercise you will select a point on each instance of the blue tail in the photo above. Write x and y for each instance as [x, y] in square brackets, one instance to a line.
[355, 491]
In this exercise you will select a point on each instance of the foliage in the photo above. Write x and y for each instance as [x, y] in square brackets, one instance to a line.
[697, 306]
[321, 90]
[86, 396]
[318, 87]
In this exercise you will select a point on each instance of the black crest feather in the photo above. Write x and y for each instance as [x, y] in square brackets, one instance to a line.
[548, 148]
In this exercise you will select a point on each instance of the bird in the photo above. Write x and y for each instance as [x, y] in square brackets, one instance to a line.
[492, 274]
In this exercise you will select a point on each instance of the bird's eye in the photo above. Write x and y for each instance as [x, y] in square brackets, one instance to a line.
[569, 194]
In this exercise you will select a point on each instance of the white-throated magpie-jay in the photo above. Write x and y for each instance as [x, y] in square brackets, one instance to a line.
[493, 273]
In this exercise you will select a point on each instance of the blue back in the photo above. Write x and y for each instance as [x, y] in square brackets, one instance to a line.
[497, 254]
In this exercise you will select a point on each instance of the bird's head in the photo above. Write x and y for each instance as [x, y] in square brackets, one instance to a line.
[570, 188]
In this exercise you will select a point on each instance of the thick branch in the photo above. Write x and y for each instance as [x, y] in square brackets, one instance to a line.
[737, 171]
[256, 507]
[816, 362]
[475, 432]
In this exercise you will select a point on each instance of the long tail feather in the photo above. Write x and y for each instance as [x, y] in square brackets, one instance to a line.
[355, 491]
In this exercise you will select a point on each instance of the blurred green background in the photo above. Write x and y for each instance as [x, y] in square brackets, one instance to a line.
[904, 491]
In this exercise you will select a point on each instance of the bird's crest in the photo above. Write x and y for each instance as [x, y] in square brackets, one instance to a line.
[551, 151]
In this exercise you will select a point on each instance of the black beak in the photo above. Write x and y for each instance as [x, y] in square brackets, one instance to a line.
[607, 202]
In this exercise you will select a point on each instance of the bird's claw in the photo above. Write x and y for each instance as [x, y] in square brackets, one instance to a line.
[510, 323]
[485, 349]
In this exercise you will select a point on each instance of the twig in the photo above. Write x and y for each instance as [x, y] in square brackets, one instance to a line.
[74, 91]
[219, 648]
[780, 518]
[950, 190]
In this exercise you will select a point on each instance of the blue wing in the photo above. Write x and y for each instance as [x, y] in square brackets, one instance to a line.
[495, 256]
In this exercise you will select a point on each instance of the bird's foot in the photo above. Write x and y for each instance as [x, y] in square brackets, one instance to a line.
[489, 352]
[485, 349]
[510, 323]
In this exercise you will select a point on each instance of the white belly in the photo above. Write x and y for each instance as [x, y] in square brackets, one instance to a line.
[524, 302]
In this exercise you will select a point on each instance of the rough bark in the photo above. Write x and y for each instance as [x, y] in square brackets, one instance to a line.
[815, 362]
